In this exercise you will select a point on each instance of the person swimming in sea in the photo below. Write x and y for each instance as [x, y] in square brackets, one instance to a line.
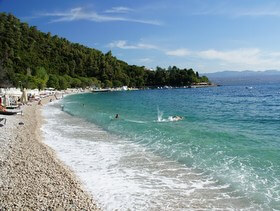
[177, 118]
[117, 116]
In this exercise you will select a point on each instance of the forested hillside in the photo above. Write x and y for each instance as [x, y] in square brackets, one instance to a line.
[33, 59]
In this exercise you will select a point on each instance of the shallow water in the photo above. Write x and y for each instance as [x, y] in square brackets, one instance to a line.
[224, 154]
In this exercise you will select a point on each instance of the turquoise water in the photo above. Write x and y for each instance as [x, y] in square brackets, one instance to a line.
[229, 137]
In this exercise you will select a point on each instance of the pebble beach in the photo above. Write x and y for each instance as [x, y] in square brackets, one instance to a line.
[31, 176]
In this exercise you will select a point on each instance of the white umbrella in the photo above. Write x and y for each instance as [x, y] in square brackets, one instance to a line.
[23, 98]
[6, 101]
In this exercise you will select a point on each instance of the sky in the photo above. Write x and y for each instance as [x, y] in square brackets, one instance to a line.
[206, 35]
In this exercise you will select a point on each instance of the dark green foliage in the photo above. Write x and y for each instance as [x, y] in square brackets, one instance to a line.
[53, 81]
[4, 76]
[32, 59]
[174, 76]
[63, 83]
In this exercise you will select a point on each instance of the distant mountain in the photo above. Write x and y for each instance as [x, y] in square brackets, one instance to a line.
[247, 77]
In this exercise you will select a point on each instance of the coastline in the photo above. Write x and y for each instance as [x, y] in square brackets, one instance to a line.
[31, 175]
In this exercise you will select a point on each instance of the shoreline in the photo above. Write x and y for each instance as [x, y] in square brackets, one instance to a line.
[31, 175]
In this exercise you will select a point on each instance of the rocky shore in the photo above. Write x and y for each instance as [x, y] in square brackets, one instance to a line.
[31, 177]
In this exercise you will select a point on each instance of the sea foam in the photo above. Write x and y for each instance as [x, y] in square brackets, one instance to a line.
[124, 175]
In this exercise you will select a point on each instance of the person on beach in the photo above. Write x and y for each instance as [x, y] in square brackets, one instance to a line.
[40, 102]
[2, 108]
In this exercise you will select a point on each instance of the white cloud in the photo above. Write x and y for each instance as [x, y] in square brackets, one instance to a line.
[119, 10]
[145, 60]
[253, 58]
[123, 45]
[235, 59]
[178, 52]
[269, 10]
[80, 14]
[244, 58]
[229, 9]
[275, 54]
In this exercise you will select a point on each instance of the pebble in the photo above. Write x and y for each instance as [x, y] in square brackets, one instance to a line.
[31, 176]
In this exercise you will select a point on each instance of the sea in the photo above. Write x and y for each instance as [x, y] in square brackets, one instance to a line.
[224, 154]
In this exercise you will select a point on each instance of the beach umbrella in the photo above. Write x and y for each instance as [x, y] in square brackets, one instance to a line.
[6, 101]
[23, 98]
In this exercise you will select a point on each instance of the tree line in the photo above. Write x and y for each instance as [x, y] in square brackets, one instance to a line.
[33, 59]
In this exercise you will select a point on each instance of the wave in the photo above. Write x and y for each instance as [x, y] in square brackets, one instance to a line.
[124, 175]
[136, 121]
[170, 119]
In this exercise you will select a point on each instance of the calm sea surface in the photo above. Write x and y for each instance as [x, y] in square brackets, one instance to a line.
[224, 154]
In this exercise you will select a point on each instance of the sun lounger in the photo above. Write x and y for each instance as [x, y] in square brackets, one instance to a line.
[9, 112]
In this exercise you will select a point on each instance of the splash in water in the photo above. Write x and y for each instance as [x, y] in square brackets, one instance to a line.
[169, 119]
[159, 115]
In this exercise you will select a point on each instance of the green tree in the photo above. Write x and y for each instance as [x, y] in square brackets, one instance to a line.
[53, 82]
[63, 84]
[31, 56]
[117, 83]
[76, 83]
[108, 84]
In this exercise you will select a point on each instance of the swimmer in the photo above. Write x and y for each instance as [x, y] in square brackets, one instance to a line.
[117, 116]
[177, 118]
